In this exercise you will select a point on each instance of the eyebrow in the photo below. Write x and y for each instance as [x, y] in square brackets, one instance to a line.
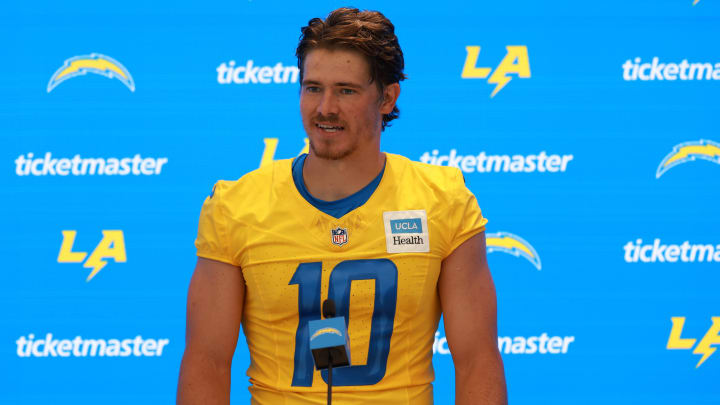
[338, 84]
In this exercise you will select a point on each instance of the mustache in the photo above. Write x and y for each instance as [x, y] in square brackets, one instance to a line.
[330, 119]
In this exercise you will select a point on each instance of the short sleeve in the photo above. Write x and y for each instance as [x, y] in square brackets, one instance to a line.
[213, 238]
[466, 216]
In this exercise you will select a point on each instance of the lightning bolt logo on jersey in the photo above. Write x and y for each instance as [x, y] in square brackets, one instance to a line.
[386, 292]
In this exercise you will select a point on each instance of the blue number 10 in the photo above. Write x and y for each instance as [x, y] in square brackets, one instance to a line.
[307, 277]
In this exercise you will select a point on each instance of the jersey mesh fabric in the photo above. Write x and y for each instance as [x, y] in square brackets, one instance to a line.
[284, 246]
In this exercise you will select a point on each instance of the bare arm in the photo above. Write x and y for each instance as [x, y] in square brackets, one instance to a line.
[214, 312]
[467, 296]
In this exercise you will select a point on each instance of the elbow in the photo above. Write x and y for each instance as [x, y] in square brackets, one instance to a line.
[480, 379]
[480, 365]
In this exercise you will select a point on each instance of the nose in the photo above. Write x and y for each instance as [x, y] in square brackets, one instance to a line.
[328, 104]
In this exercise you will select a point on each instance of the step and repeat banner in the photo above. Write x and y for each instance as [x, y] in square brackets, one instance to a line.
[588, 132]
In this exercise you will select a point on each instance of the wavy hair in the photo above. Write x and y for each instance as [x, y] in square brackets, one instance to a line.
[368, 32]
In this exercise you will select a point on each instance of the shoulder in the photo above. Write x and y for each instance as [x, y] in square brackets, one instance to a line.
[260, 180]
[442, 178]
[452, 211]
[253, 190]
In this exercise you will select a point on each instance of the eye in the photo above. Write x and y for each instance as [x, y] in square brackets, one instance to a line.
[312, 89]
[347, 91]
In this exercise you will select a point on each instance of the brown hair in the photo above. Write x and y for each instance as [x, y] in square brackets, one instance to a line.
[368, 32]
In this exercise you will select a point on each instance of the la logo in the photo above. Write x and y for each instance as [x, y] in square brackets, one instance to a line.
[111, 246]
[271, 145]
[712, 337]
[515, 62]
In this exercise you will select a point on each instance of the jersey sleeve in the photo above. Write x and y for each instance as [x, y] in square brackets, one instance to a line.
[466, 217]
[213, 238]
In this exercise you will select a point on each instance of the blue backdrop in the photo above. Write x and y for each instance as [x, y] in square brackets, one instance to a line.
[587, 131]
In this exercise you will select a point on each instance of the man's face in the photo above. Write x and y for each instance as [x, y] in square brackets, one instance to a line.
[340, 107]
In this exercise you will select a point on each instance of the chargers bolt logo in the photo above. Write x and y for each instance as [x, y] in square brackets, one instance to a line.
[325, 331]
[93, 63]
[508, 243]
[689, 152]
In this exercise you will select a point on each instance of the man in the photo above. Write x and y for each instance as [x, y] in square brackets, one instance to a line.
[391, 241]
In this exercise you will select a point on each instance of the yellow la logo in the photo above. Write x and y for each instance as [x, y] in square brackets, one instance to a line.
[712, 337]
[111, 246]
[516, 61]
[270, 147]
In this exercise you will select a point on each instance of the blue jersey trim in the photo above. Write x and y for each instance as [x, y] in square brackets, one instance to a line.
[336, 208]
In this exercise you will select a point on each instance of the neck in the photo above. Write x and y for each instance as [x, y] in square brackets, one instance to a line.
[332, 180]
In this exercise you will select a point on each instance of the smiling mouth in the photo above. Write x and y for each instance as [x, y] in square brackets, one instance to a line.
[329, 128]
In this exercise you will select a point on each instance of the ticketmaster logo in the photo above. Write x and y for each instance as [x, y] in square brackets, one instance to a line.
[29, 165]
[637, 70]
[249, 73]
[484, 163]
[659, 252]
[542, 344]
[80, 347]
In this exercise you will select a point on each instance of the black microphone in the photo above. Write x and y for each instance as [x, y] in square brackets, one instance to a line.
[329, 342]
[329, 339]
[328, 309]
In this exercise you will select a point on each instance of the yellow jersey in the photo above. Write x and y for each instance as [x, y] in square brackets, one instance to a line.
[379, 262]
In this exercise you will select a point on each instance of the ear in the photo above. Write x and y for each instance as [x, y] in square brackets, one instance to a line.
[390, 96]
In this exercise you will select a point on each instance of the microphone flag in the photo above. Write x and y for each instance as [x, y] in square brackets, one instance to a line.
[329, 340]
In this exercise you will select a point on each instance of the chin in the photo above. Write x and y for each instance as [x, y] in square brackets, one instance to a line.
[328, 152]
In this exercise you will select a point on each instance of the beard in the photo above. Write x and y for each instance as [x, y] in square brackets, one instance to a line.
[329, 151]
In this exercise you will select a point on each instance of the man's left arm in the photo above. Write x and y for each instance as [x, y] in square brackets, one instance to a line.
[467, 296]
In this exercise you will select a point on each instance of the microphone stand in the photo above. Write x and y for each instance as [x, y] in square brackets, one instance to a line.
[329, 396]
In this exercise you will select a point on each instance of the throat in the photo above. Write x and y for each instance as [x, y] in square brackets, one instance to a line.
[335, 180]
[334, 203]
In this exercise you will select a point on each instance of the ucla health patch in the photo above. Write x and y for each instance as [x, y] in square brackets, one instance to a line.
[406, 231]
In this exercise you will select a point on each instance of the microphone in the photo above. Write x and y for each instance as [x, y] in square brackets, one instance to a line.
[329, 343]
[329, 339]
[329, 309]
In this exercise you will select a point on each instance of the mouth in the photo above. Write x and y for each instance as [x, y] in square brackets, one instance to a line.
[329, 128]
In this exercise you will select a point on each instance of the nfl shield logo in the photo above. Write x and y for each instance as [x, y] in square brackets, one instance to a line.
[339, 236]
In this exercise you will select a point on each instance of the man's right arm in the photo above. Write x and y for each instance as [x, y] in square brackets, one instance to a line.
[214, 313]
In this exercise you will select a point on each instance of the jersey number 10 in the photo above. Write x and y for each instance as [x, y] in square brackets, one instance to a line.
[308, 277]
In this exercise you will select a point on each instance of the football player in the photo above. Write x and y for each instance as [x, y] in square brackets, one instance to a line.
[394, 243]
